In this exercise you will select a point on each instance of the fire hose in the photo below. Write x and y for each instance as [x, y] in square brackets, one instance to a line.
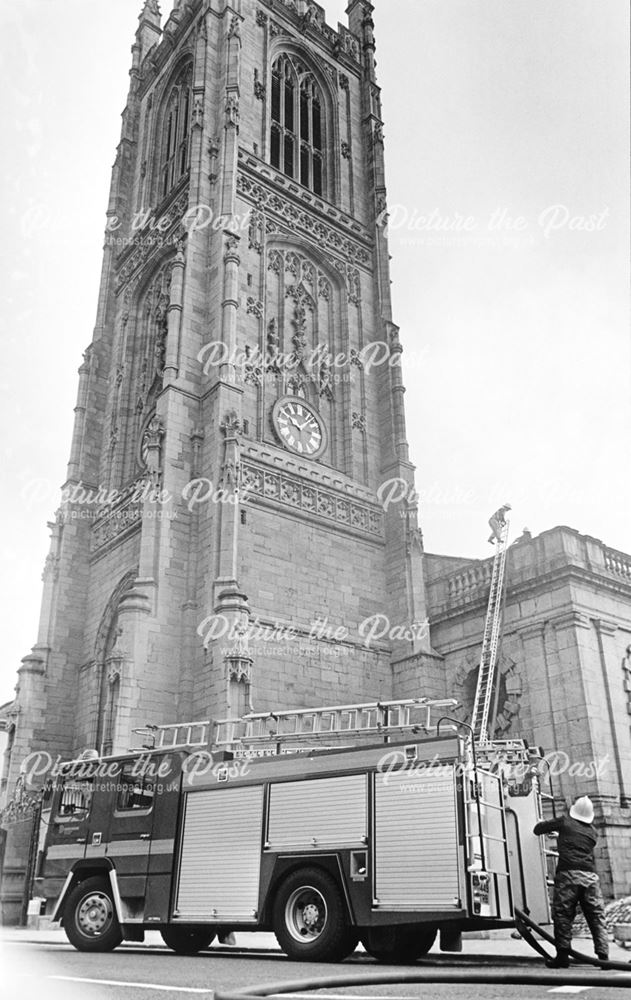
[526, 926]
[428, 975]
[457, 974]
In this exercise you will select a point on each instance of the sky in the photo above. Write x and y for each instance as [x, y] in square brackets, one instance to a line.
[506, 158]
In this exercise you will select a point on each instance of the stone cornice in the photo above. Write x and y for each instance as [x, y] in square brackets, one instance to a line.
[605, 627]
[278, 460]
[570, 619]
[405, 661]
[532, 630]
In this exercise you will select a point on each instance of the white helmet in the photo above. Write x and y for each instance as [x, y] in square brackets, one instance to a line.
[583, 810]
[507, 506]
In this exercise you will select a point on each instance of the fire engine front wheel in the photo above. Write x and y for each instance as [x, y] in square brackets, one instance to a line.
[398, 945]
[90, 920]
[310, 918]
[186, 940]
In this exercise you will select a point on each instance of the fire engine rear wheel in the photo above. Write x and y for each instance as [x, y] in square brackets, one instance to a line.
[90, 920]
[398, 945]
[187, 940]
[310, 918]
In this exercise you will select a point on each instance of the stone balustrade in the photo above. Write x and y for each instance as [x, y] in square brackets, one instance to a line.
[469, 582]
[558, 550]
[617, 562]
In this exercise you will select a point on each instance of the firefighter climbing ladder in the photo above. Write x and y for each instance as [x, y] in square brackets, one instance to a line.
[486, 676]
[306, 725]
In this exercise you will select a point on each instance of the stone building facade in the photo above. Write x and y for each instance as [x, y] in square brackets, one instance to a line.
[564, 667]
[241, 400]
[221, 544]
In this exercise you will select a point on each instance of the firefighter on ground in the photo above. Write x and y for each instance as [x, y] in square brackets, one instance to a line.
[576, 881]
[497, 522]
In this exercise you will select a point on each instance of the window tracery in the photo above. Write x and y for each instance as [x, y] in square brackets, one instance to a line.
[297, 123]
[176, 132]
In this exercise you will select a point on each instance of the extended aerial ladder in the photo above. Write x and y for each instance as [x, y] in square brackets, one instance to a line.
[331, 724]
[485, 689]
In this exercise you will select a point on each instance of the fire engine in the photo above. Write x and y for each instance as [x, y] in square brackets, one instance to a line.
[421, 826]
[409, 832]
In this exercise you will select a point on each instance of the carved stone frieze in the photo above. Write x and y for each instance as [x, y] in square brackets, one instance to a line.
[123, 520]
[291, 490]
[278, 210]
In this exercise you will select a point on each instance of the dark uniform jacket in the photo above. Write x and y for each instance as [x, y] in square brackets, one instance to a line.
[575, 844]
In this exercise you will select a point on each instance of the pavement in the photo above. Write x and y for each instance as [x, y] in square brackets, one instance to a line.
[497, 943]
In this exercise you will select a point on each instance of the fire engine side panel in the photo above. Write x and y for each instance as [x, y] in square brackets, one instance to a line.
[220, 857]
[416, 841]
[527, 855]
[320, 812]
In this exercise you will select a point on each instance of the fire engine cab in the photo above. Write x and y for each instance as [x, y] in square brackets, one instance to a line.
[409, 832]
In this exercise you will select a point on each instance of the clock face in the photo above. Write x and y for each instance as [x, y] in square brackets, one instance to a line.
[299, 426]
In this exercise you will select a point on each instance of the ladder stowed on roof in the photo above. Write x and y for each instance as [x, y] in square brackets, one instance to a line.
[306, 725]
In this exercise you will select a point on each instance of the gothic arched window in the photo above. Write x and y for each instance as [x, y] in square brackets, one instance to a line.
[176, 132]
[297, 125]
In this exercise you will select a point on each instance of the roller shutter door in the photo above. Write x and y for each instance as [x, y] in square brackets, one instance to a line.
[221, 855]
[416, 840]
[323, 812]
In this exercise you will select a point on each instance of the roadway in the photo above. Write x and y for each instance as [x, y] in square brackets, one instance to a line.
[36, 965]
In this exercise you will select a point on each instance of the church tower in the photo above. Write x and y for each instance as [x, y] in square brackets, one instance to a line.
[223, 541]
